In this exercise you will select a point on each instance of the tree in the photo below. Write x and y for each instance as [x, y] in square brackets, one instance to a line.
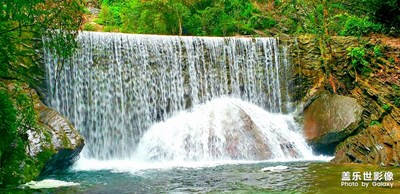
[22, 26]
[386, 12]
[176, 14]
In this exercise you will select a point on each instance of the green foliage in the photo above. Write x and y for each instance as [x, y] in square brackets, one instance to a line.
[386, 12]
[260, 22]
[396, 95]
[22, 23]
[396, 102]
[215, 21]
[17, 116]
[109, 15]
[221, 17]
[337, 17]
[387, 107]
[86, 10]
[196, 17]
[378, 51]
[8, 124]
[277, 2]
[89, 27]
[356, 26]
[391, 60]
[375, 123]
[382, 15]
[357, 56]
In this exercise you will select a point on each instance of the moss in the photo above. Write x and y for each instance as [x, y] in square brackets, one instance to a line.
[18, 115]
[17, 167]
[8, 130]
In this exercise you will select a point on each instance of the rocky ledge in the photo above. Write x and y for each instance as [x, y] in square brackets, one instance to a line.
[375, 138]
[36, 140]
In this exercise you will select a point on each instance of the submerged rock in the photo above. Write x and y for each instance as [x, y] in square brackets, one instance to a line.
[39, 141]
[330, 118]
[274, 168]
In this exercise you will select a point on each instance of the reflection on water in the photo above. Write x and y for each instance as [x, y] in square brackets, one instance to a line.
[298, 177]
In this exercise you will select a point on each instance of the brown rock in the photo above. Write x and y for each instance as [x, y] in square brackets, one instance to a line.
[378, 144]
[330, 119]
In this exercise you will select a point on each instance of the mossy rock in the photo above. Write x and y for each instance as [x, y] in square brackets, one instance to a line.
[32, 135]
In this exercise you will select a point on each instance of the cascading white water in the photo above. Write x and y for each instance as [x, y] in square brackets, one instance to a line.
[117, 86]
[223, 129]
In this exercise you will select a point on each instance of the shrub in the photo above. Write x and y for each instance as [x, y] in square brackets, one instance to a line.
[357, 56]
[387, 107]
[355, 26]
[110, 15]
[260, 22]
[377, 51]
[8, 124]
[374, 122]
[89, 27]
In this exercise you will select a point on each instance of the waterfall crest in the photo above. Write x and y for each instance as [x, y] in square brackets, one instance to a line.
[117, 86]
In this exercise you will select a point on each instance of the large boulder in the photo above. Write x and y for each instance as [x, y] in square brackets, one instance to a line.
[36, 140]
[330, 118]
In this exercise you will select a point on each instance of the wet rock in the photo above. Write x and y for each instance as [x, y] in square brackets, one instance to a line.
[65, 139]
[41, 141]
[330, 118]
[378, 144]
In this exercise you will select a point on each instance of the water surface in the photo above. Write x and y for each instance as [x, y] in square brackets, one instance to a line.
[280, 177]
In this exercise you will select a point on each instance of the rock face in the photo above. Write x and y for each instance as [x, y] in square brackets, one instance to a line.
[64, 137]
[40, 141]
[330, 118]
[375, 141]
[378, 144]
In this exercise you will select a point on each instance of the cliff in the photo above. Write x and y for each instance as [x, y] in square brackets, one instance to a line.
[367, 70]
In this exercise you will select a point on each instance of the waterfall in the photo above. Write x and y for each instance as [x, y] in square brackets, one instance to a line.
[223, 129]
[118, 86]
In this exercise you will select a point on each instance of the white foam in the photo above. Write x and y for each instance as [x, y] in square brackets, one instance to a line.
[48, 183]
[184, 140]
[274, 168]
[134, 166]
[223, 129]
